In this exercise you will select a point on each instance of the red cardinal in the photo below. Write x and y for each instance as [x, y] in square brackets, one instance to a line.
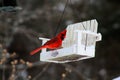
[53, 43]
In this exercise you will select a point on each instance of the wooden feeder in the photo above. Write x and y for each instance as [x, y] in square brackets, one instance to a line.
[79, 43]
[9, 5]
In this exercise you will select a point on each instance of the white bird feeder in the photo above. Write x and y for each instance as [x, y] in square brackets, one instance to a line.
[79, 43]
[117, 78]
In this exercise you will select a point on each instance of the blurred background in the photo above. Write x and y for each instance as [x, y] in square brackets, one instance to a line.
[19, 32]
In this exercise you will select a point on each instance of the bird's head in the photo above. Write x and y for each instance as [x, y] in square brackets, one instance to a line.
[62, 34]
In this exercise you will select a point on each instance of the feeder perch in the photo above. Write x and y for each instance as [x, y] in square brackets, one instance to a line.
[79, 43]
[9, 6]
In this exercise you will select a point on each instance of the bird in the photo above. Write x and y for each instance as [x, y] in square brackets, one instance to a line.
[53, 43]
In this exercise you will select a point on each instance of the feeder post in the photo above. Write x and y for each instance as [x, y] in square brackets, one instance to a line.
[79, 40]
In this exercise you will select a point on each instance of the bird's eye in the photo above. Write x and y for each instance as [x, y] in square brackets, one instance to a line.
[62, 34]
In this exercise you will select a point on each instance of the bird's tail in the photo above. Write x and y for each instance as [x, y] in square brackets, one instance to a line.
[36, 50]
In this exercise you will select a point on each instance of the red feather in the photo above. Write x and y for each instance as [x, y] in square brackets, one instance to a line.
[54, 43]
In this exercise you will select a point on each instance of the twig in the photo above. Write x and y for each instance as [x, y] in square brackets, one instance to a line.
[81, 77]
[3, 74]
[44, 69]
[64, 75]
[22, 66]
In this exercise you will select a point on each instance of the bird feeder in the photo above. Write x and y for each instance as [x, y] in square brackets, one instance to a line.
[9, 6]
[79, 43]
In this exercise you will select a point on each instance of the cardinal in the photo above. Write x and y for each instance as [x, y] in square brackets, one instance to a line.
[53, 43]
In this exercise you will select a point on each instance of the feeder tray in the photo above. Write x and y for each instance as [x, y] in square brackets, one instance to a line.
[9, 6]
[79, 43]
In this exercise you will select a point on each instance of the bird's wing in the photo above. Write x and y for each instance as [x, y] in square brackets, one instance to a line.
[54, 40]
